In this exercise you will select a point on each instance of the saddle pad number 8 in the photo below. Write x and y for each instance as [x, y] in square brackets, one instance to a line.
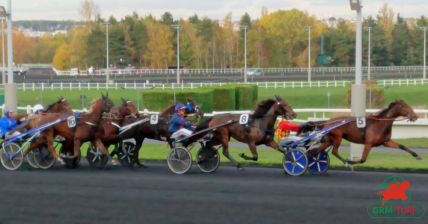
[154, 118]
[243, 119]
[71, 122]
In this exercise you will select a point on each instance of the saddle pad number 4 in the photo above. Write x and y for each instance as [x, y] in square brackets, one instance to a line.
[154, 118]
[243, 119]
[71, 122]
[361, 122]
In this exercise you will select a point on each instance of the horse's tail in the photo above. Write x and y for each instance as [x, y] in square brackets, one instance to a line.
[204, 124]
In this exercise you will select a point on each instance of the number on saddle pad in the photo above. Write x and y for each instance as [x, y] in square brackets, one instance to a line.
[71, 122]
[361, 122]
[243, 119]
[154, 119]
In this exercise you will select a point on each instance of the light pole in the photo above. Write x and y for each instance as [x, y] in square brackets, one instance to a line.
[369, 54]
[177, 27]
[358, 94]
[245, 27]
[3, 75]
[107, 59]
[309, 53]
[10, 87]
[425, 53]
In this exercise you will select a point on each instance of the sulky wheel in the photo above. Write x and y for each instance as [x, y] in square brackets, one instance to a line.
[208, 159]
[319, 164]
[11, 156]
[96, 158]
[31, 160]
[43, 158]
[295, 162]
[126, 152]
[179, 160]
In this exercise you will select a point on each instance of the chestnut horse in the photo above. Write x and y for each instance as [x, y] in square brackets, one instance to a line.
[376, 133]
[259, 129]
[157, 131]
[85, 129]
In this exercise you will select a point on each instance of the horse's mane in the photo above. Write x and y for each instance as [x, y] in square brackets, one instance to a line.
[50, 106]
[92, 104]
[168, 110]
[383, 112]
[262, 108]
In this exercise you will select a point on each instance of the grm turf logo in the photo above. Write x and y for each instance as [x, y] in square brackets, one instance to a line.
[395, 201]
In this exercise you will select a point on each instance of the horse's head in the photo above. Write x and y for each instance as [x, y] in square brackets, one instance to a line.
[61, 105]
[107, 105]
[400, 108]
[128, 108]
[283, 109]
[193, 108]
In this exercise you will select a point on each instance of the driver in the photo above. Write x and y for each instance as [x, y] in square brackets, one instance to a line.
[38, 108]
[285, 127]
[179, 126]
[7, 123]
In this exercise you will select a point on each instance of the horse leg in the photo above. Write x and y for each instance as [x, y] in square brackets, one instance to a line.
[137, 149]
[274, 145]
[225, 146]
[335, 151]
[363, 159]
[392, 144]
[49, 140]
[76, 148]
[253, 148]
[99, 144]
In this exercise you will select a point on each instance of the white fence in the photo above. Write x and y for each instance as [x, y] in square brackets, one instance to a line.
[274, 85]
[211, 71]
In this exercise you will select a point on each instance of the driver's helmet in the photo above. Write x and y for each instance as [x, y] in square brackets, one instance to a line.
[179, 106]
[6, 111]
[38, 108]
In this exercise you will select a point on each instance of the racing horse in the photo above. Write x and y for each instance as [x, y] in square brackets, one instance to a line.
[259, 129]
[377, 131]
[157, 131]
[84, 130]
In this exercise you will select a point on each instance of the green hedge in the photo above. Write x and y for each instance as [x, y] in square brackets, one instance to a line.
[158, 100]
[230, 97]
[224, 98]
[246, 97]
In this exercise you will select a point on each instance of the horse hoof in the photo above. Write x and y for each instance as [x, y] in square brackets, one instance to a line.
[114, 162]
[61, 161]
[418, 158]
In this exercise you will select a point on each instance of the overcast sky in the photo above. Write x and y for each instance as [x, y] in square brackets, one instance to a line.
[215, 9]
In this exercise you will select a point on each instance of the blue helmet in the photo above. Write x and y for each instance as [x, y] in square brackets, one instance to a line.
[179, 106]
[6, 111]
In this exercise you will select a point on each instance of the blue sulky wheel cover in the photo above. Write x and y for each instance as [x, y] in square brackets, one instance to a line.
[295, 162]
[319, 164]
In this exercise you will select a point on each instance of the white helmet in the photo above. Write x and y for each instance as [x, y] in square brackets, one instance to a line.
[37, 108]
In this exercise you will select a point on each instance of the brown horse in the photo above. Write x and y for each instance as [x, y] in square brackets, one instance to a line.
[376, 133]
[157, 131]
[259, 129]
[85, 130]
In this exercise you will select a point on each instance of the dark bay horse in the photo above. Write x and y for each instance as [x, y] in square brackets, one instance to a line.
[259, 129]
[85, 130]
[376, 133]
[157, 131]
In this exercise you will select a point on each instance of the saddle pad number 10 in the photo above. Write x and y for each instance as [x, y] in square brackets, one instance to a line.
[154, 118]
[71, 122]
[243, 119]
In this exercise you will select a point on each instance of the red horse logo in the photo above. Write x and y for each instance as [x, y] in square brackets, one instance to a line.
[395, 190]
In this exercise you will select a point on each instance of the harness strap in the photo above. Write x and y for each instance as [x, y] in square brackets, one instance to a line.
[115, 124]
[90, 123]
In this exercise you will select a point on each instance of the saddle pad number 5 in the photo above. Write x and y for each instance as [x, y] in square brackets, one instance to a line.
[361, 122]
[154, 118]
[243, 119]
[71, 122]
